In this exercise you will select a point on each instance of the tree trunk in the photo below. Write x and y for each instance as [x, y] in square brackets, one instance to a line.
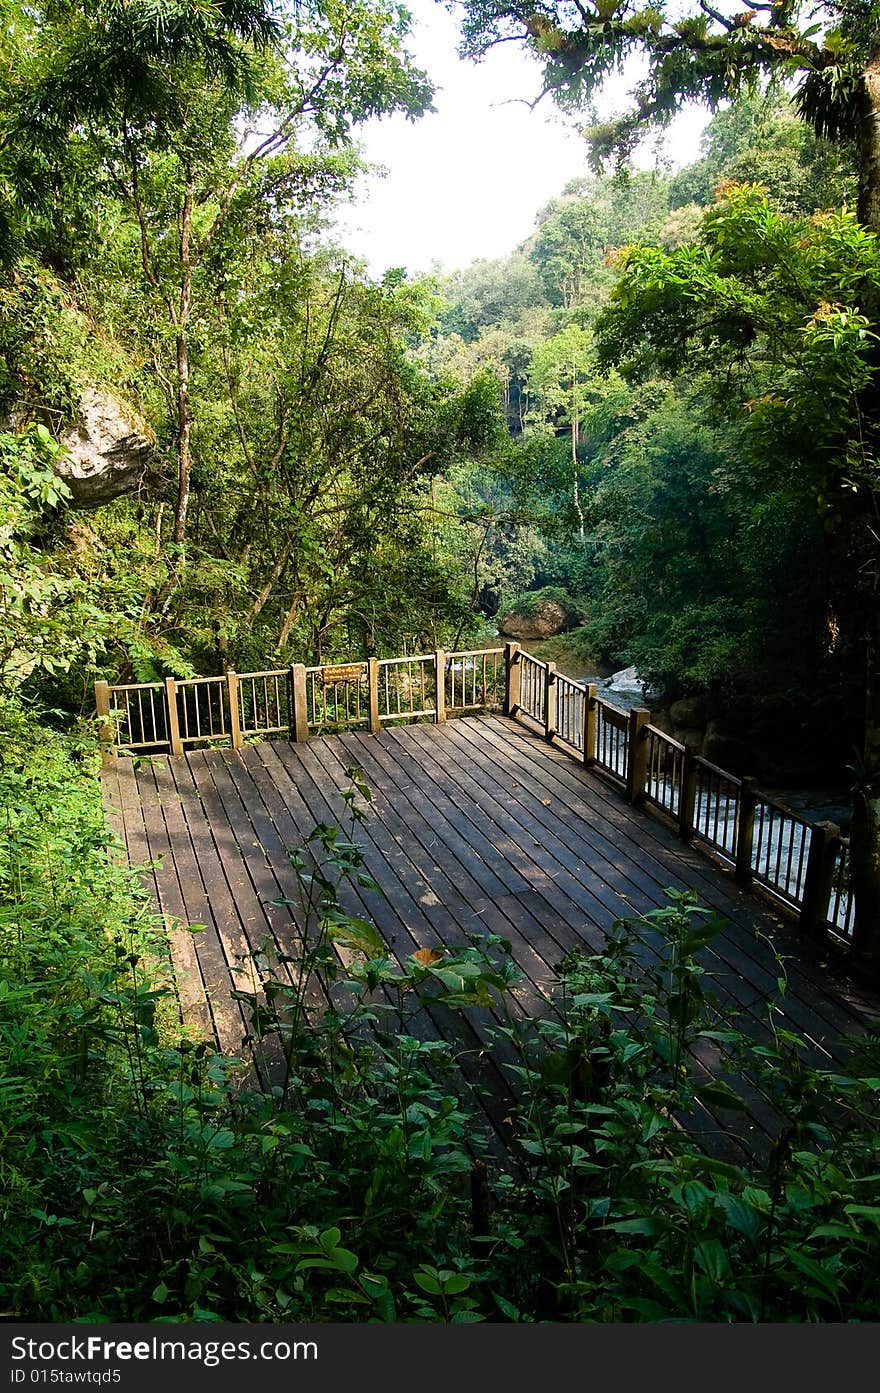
[576, 488]
[290, 620]
[575, 441]
[184, 414]
[869, 144]
[865, 831]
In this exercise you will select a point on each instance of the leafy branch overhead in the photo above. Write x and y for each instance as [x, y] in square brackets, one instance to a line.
[709, 54]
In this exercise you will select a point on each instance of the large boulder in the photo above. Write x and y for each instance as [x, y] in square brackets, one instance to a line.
[725, 749]
[626, 681]
[692, 738]
[688, 713]
[546, 619]
[107, 450]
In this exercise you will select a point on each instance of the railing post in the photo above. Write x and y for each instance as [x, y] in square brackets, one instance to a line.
[105, 725]
[512, 678]
[550, 713]
[745, 828]
[174, 739]
[589, 730]
[299, 726]
[637, 752]
[819, 877]
[375, 724]
[688, 799]
[440, 685]
[234, 717]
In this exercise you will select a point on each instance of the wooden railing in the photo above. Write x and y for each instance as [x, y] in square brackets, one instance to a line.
[298, 701]
[802, 865]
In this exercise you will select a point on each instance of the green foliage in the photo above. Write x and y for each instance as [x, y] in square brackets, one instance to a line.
[48, 348]
[784, 306]
[630, 1223]
[141, 1177]
[144, 1180]
[530, 601]
[490, 293]
[342, 474]
[711, 555]
[184, 276]
[48, 619]
[78, 1039]
[782, 302]
[69, 611]
[576, 233]
[760, 141]
[703, 576]
[331, 475]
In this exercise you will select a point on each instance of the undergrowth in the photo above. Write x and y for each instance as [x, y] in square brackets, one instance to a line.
[141, 1178]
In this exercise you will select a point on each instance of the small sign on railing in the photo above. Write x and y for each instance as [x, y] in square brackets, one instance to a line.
[346, 672]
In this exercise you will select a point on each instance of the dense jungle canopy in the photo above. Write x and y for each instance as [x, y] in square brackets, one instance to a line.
[223, 443]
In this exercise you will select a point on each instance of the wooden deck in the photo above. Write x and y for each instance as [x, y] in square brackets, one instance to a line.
[477, 826]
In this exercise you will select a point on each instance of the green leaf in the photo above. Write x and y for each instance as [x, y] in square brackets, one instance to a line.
[718, 1094]
[741, 1216]
[713, 1259]
[350, 932]
[864, 1211]
[647, 1226]
[823, 1279]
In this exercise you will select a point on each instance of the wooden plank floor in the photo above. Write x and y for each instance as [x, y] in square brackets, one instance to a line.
[477, 826]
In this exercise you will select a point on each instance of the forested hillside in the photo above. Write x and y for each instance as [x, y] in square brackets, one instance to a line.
[222, 444]
[655, 504]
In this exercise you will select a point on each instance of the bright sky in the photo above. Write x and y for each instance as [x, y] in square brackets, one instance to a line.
[467, 182]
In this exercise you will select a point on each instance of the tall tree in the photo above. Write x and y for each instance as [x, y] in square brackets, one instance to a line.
[786, 310]
[566, 391]
[194, 125]
[576, 232]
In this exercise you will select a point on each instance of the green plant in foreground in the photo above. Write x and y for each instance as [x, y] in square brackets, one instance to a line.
[142, 1179]
[627, 1218]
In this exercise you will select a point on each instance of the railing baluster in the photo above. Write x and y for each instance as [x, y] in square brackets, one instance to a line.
[688, 799]
[105, 725]
[513, 678]
[173, 723]
[825, 844]
[550, 713]
[745, 828]
[299, 703]
[373, 695]
[439, 686]
[234, 721]
[637, 754]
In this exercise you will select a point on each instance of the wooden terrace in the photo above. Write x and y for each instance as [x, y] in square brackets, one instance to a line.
[484, 824]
